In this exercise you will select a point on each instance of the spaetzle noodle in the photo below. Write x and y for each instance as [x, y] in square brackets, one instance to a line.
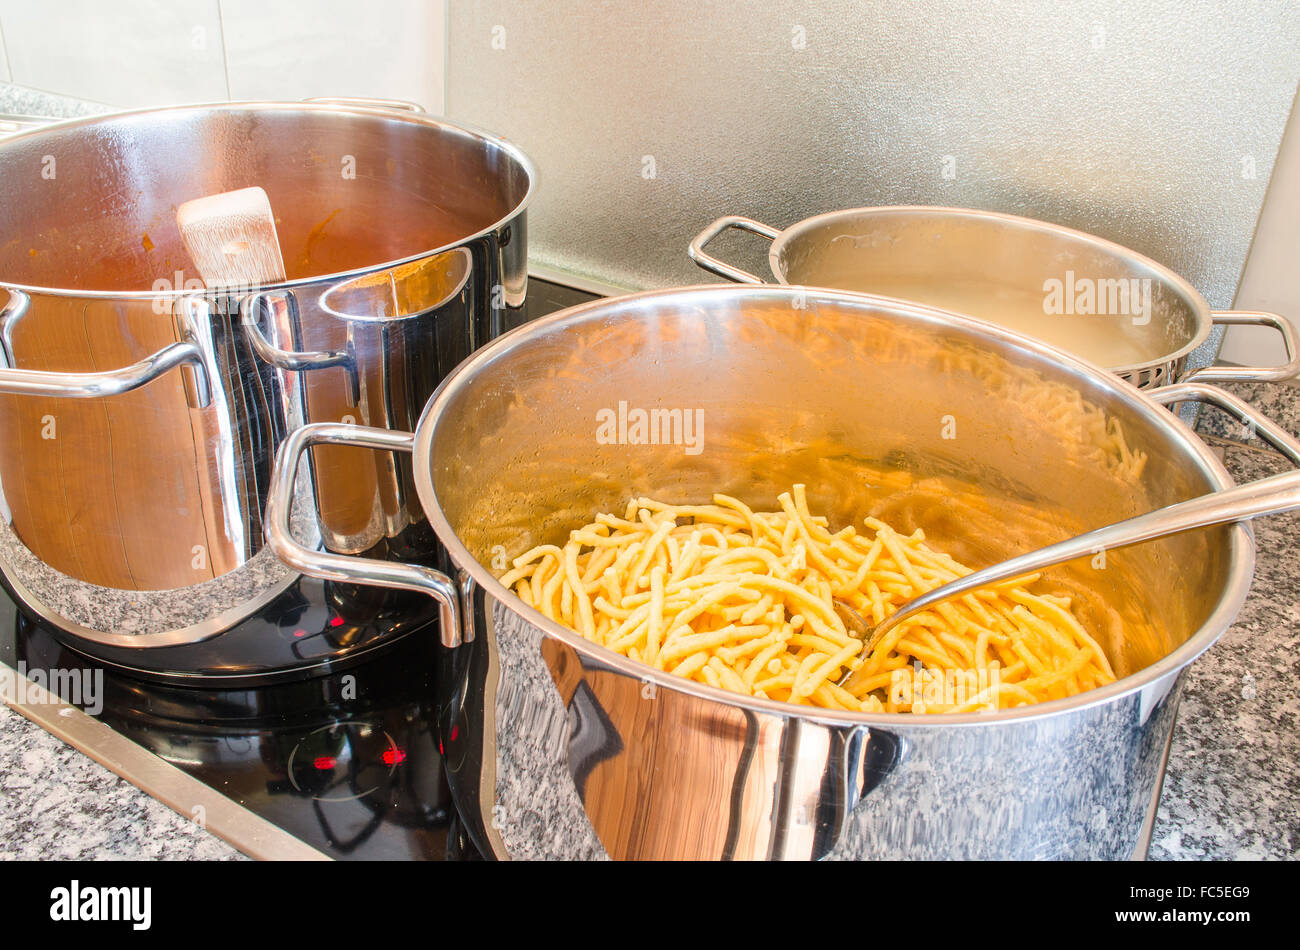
[745, 601]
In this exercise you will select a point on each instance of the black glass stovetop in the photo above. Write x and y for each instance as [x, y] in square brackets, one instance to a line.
[348, 762]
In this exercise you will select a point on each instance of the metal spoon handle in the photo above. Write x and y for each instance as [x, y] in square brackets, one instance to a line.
[1266, 496]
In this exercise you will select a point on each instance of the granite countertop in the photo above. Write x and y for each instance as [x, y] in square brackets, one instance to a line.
[21, 100]
[1232, 788]
[61, 805]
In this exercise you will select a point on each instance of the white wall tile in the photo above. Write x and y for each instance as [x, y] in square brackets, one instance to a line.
[1271, 280]
[125, 53]
[277, 49]
[779, 113]
[4, 59]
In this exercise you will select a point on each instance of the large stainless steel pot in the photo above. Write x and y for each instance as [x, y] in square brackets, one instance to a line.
[1094, 298]
[142, 412]
[993, 444]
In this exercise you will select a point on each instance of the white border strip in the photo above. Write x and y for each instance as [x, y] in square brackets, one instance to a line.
[575, 281]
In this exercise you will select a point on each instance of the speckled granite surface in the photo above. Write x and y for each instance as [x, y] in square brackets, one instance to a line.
[1281, 403]
[142, 612]
[532, 781]
[1232, 789]
[20, 100]
[58, 804]
[1233, 784]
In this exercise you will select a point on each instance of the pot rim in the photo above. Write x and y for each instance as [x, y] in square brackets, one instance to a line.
[416, 118]
[1242, 545]
[1200, 307]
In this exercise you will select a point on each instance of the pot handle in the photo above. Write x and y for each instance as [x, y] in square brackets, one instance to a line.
[113, 382]
[339, 567]
[1257, 374]
[397, 105]
[285, 302]
[1197, 391]
[722, 268]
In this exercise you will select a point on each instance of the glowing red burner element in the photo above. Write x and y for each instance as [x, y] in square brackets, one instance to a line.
[393, 755]
[336, 621]
[325, 763]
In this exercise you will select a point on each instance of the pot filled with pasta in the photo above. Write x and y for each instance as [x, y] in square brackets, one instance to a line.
[662, 513]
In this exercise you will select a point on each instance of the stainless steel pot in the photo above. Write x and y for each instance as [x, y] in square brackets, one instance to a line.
[989, 441]
[1094, 298]
[142, 412]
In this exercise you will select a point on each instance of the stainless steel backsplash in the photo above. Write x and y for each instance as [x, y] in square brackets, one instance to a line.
[1153, 123]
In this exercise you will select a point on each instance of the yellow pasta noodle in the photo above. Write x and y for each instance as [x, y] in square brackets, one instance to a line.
[744, 600]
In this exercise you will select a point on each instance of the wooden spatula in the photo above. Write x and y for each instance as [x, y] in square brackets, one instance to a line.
[232, 239]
